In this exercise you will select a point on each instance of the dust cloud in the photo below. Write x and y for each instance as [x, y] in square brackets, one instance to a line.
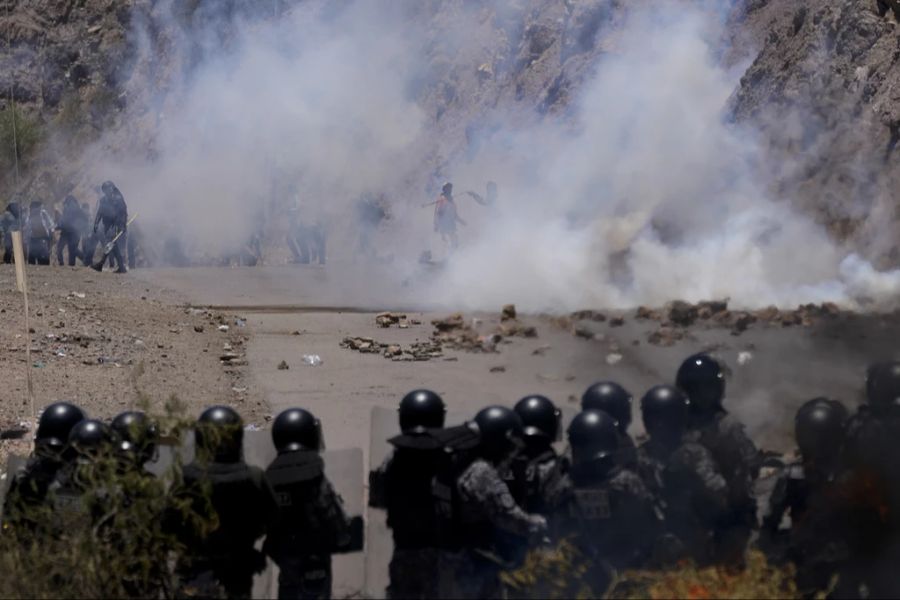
[641, 192]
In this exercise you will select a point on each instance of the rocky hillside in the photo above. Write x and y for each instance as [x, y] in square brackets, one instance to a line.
[820, 84]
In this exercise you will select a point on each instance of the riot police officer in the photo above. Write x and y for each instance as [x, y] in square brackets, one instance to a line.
[604, 507]
[136, 439]
[29, 486]
[403, 486]
[240, 499]
[870, 479]
[701, 378]
[806, 491]
[614, 400]
[691, 493]
[537, 466]
[484, 512]
[311, 522]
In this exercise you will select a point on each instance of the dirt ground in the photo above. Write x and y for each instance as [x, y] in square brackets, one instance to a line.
[109, 343]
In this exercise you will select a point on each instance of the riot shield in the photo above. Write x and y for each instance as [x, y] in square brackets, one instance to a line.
[13, 464]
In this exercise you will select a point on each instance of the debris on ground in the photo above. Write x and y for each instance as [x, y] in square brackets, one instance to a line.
[283, 366]
[540, 351]
[223, 328]
[455, 333]
[417, 351]
[498, 369]
[588, 315]
[613, 358]
[744, 358]
[508, 313]
[387, 319]
[616, 322]
[312, 360]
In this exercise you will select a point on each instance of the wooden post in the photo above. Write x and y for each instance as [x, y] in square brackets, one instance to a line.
[22, 286]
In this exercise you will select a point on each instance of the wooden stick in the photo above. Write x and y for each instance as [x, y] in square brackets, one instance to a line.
[22, 285]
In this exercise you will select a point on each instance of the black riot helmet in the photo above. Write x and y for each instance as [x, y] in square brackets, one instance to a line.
[701, 378]
[55, 425]
[819, 429]
[447, 188]
[594, 439]
[883, 386]
[540, 417]
[611, 398]
[420, 410]
[500, 431]
[665, 411]
[136, 435]
[219, 435]
[297, 429]
[90, 438]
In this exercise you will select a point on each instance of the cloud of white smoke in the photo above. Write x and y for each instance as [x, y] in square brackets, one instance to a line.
[643, 192]
[654, 197]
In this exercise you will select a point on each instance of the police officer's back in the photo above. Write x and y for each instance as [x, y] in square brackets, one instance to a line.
[702, 380]
[484, 511]
[403, 486]
[614, 400]
[682, 475]
[605, 507]
[29, 487]
[808, 492]
[310, 523]
[537, 467]
[237, 498]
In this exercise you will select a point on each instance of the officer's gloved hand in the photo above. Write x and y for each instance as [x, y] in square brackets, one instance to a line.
[537, 529]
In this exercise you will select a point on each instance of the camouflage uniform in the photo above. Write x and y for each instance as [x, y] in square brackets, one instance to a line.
[738, 460]
[402, 486]
[485, 508]
[311, 524]
[610, 518]
[691, 495]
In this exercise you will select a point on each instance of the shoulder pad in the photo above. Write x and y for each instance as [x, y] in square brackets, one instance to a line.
[295, 467]
[422, 441]
[460, 437]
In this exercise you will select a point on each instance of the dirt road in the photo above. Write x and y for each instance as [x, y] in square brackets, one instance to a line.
[292, 312]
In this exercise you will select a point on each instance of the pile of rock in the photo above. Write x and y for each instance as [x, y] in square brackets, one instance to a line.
[677, 316]
[387, 319]
[455, 333]
[417, 351]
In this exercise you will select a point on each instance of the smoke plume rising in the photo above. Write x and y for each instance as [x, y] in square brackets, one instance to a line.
[641, 191]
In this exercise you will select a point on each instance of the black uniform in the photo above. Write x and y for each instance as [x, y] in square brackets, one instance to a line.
[243, 502]
[311, 524]
[402, 486]
[9, 222]
[112, 214]
[28, 492]
[71, 226]
[38, 233]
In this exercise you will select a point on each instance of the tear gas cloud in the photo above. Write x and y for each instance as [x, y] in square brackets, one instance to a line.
[641, 193]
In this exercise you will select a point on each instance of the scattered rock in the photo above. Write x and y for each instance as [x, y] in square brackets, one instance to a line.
[588, 315]
[451, 323]
[498, 369]
[283, 366]
[583, 332]
[665, 336]
[198, 328]
[387, 319]
[616, 322]
[540, 351]
[613, 358]
[681, 313]
[508, 313]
